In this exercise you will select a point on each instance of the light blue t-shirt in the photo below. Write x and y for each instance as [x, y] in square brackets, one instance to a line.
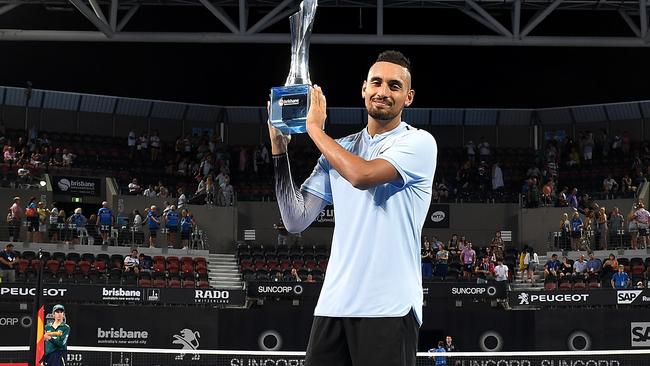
[374, 266]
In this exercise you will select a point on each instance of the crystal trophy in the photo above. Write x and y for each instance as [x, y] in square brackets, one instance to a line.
[290, 103]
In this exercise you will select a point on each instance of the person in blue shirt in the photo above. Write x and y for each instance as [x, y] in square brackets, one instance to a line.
[439, 360]
[576, 231]
[171, 218]
[154, 225]
[105, 221]
[620, 279]
[31, 213]
[380, 183]
[78, 221]
[187, 223]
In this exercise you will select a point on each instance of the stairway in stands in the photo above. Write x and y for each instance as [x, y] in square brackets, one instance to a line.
[520, 283]
[224, 271]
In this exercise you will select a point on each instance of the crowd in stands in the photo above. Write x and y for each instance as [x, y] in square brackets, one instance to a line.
[135, 269]
[583, 273]
[459, 260]
[281, 263]
[592, 227]
[571, 173]
[53, 225]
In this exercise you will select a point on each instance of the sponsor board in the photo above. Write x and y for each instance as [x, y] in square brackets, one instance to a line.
[21, 291]
[77, 186]
[592, 297]
[534, 298]
[437, 217]
[120, 294]
[325, 218]
[640, 333]
[626, 297]
[122, 336]
[212, 296]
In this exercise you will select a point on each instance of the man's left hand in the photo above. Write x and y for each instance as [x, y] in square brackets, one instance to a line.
[317, 110]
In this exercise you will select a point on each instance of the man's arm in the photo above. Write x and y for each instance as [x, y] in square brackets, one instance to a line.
[361, 173]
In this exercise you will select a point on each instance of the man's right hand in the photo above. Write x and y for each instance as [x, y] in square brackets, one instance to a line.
[279, 142]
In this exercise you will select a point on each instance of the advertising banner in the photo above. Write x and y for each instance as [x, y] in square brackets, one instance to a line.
[76, 186]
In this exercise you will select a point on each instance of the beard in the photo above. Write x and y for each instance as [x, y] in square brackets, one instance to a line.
[382, 114]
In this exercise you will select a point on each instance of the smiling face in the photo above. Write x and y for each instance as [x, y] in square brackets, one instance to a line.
[386, 91]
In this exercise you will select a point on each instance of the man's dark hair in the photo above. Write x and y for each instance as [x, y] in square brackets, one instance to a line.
[394, 57]
[9, 246]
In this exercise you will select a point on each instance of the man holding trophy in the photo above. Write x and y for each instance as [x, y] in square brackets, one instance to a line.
[379, 181]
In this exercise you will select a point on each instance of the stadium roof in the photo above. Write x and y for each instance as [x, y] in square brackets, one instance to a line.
[571, 23]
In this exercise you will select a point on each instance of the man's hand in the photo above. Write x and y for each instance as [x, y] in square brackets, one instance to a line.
[279, 142]
[317, 110]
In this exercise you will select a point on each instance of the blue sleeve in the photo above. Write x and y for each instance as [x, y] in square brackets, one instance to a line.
[414, 157]
[318, 182]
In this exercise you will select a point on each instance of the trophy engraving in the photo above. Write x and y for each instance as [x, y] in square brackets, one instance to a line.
[290, 103]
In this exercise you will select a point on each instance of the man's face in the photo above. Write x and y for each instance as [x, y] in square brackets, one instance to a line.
[448, 340]
[9, 249]
[387, 90]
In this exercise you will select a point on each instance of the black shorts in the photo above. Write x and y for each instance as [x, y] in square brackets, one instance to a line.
[468, 267]
[104, 228]
[576, 234]
[33, 223]
[390, 341]
[185, 235]
[55, 358]
[153, 232]
[172, 229]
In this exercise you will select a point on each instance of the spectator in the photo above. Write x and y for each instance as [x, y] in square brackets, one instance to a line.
[576, 231]
[187, 223]
[134, 187]
[436, 244]
[150, 192]
[450, 346]
[131, 262]
[210, 190]
[471, 150]
[552, 268]
[642, 216]
[427, 257]
[182, 199]
[497, 246]
[154, 225]
[130, 140]
[155, 145]
[310, 278]
[601, 225]
[562, 199]
[609, 266]
[533, 260]
[8, 261]
[68, 158]
[31, 214]
[580, 267]
[565, 231]
[78, 220]
[294, 275]
[484, 271]
[14, 218]
[609, 185]
[620, 279]
[442, 256]
[501, 271]
[171, 223]
[524, 258]
[452, 245]
[105, 221]
[145, 263]
[278, 277]
[137, 220]
[573, 198]
[143, 144]
[53, 220]
[626, 184]
[566, 268]
[616, 222]
[484, 149]
[594, 266]
[439, 360]
[227, 192]
[468, 258]
[574, 158]
[163, 192]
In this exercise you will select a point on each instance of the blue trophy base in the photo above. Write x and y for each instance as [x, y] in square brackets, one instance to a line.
[289, 107]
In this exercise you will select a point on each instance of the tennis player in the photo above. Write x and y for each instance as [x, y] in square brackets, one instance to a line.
[56, 339]
[379, 181]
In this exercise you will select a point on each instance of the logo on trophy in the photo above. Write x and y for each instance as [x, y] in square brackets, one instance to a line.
[290, 103]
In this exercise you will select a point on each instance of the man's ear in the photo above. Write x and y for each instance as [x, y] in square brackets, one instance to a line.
[409, 98]
[363, 89]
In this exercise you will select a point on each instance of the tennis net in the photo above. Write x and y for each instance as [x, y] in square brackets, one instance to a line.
[114, 356]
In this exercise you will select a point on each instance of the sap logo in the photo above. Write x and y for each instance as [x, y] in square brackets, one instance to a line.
[640, 334]
[627, 297]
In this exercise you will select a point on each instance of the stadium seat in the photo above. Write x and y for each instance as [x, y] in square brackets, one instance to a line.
[579, 284]
[174, 283]
[550, 286]
[53, 265]
[73, 256]
[70, 266]
[84, 266]
[188, 284]
[144, 282]
[159, 282]
[58, 256]
[36, 263]
[203, 284]
[23, 264]
[129, 278]
[28, 255]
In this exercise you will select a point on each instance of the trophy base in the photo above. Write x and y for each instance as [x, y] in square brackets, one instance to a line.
[289, 107]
